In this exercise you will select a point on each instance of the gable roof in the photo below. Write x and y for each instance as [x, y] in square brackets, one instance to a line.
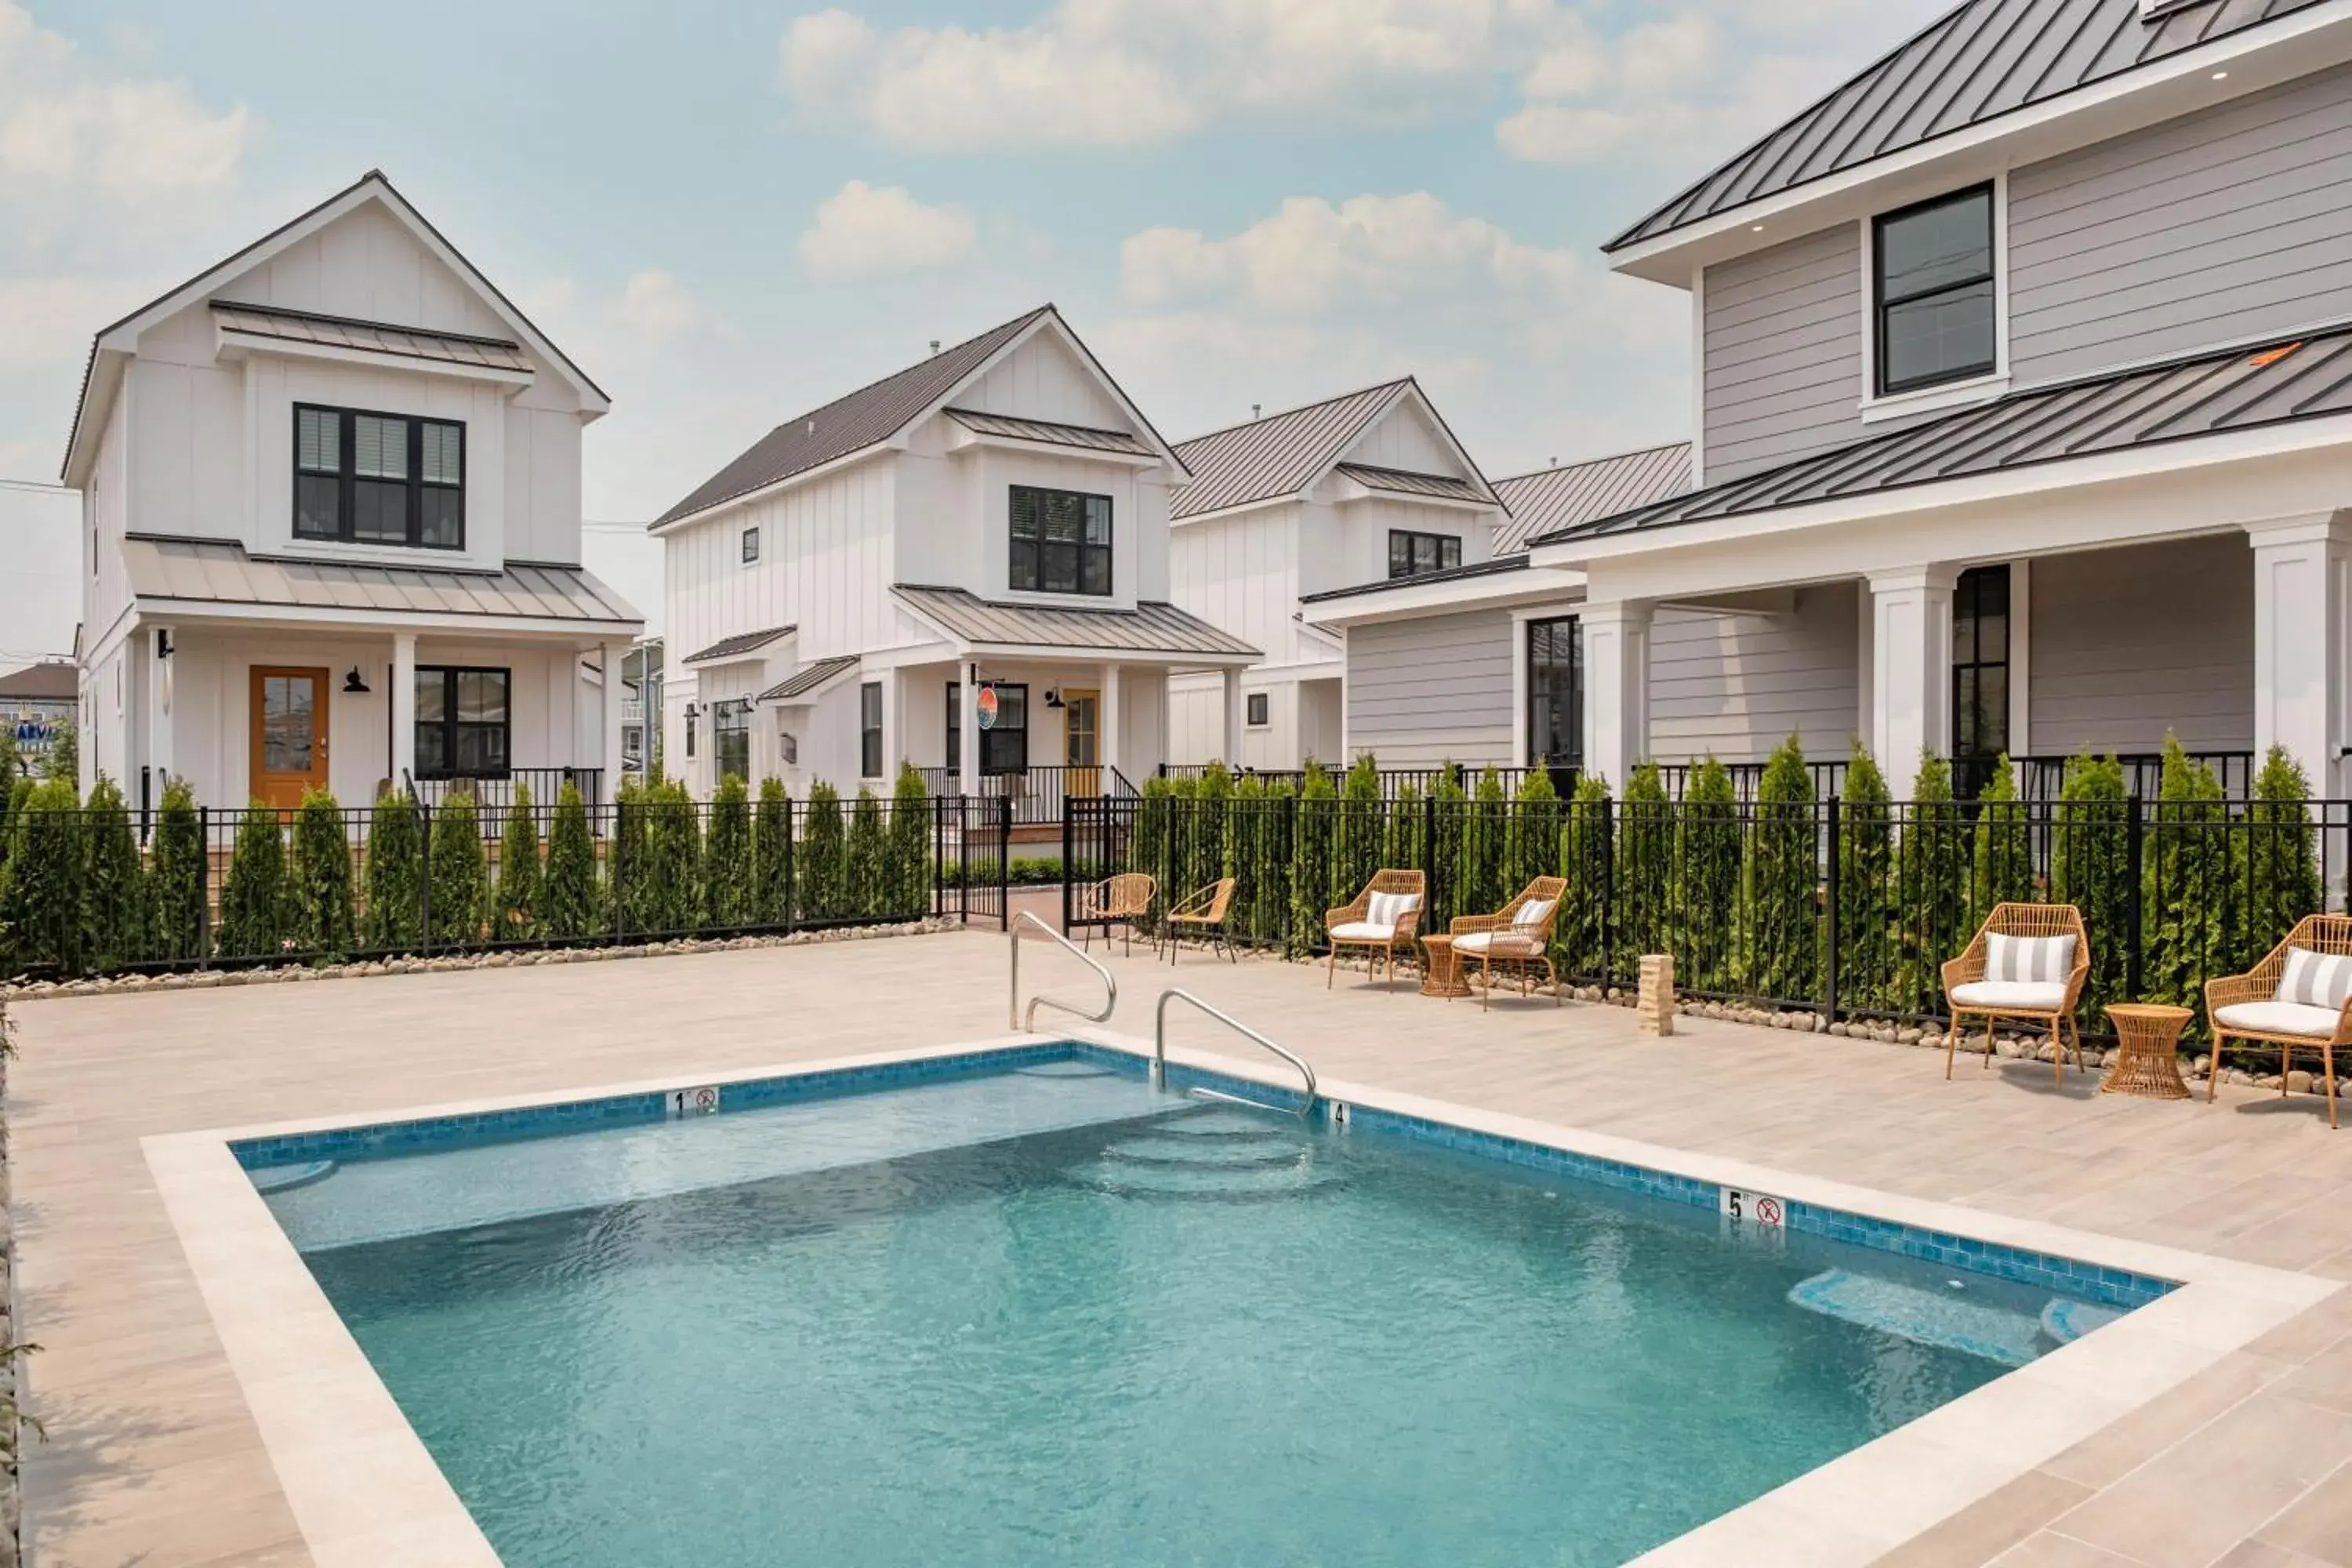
[1550, 500]
[103, 368]
[1282, 454]
[51, 680]
[1981, 60]
[876, 412]
[2203, 394]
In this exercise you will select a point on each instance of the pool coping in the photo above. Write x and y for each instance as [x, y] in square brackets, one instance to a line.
[367, 1494]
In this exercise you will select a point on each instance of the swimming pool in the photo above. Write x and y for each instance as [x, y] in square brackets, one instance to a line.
[1018, 1306]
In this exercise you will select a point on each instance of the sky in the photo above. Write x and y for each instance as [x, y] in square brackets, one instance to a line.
[729, 213]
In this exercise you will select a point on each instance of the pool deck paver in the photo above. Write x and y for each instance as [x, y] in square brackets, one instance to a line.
[153, 1458]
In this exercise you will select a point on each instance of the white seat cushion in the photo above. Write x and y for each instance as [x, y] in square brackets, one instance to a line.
[1363, 931]
[1502, 944]
[2280, 1018]
[2020, 996]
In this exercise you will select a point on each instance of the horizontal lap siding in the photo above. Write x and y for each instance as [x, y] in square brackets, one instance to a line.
[1783, 353]
[1737, 686]
[1432, 690]
[2127, 645]
[2224, 226]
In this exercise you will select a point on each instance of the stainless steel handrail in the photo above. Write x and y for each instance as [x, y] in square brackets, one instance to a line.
[1013, 1016]
[1159, 1042]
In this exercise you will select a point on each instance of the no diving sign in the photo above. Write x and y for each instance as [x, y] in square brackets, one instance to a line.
[1761, 1210]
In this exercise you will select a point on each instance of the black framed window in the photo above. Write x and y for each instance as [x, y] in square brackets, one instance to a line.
[869, 730]
[464, 723]
[750, 545]
[1258, 714]
[1980, 669]
[1416, 555]
[1061, 542]
[731, 738]
[1556, 692]
[1935, 298]
[379, 478]
[1004, 745]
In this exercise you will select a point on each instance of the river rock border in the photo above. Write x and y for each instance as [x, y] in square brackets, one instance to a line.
[514, 959]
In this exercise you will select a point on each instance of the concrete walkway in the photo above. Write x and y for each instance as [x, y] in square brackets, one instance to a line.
[153, 1461]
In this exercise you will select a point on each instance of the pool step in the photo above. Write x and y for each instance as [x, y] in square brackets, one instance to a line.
[1205, 1153]
[1948, 1320]
[1216, 1183]
[1218, 1121]
[1213, 1153]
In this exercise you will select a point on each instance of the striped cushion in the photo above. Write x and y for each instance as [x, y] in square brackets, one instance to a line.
[1389, 909]
[1533, 912]
[2315, 979]
[2042, 957]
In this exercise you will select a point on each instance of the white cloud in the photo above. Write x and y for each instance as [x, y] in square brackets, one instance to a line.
[62, 125]
[864, 231]
[47, 321]
[658, 308]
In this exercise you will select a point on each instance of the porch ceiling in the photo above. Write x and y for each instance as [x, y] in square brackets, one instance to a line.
[1151, 627]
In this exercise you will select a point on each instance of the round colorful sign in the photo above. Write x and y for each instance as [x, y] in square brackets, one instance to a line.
[986, 703]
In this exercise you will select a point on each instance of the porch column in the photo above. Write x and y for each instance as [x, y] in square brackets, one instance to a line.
[1232, 752]
[1616, 688]
[1910, 669]
[615, 698]
[2301, 601]
[404, 708]
[1106, 723]
[967, 732]
[159, 703]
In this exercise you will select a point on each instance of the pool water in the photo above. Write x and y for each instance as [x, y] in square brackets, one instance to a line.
[1054, 1316]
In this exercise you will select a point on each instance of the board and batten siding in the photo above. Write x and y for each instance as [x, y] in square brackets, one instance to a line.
[2129, 644]
[1783, 353]
[2215, 229]
[1737, 686]
[1431, 691]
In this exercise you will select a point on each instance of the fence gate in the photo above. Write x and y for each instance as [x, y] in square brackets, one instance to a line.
[975, 856]
[1097, 841]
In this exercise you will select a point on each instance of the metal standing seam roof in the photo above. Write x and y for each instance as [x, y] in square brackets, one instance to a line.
[1406, 482]
[2207, 395]
[1152, 626]
[1983, 60]
[374, 337]
[50, 680]
[805, 681]
[1278, 455]
[737, 645]
[1550, 500]
[1052, 433]
[220, 571]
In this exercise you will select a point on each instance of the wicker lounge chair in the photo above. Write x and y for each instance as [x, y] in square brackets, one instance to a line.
[1383, 920]
[1970, 990]
[1202, 913]
[1120, 901]
[2270, 1008]
[1517, 937]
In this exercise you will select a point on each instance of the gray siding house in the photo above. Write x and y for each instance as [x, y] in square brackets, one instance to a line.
[2024, 421]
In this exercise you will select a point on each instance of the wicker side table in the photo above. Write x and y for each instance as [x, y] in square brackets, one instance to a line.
[1441, 974]
[2149, 1065]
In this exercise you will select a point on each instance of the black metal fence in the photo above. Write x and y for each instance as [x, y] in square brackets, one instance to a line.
[79, 894]
[1036, 795]
[1848, 910]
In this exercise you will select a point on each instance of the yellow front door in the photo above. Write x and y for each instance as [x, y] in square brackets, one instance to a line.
[1082, 746]
[289, 734]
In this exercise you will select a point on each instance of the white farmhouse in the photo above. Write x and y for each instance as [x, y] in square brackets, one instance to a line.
[1370, 484]
[964, 567]
[330, 504]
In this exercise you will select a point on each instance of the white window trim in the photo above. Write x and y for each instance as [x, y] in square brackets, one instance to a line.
[1872, 407]
[1522, 677]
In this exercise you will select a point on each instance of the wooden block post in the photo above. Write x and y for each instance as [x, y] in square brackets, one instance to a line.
[1653, 1012]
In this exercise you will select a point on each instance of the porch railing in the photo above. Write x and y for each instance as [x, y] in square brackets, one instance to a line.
[1039, 796]
[494, 796]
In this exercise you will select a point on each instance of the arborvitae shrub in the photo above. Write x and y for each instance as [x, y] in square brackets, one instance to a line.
[515, 906]
[460, 872]
[824, 858]
[1485, 849]
[257, 906]
[910, 844]
[394, 921]
[2188, 902]
[1707, 879]
[1316, 835]
[1932, 874]
[1779, 933]
[175, 877]
[1645, 872]
[2090, 868]
[2002, 869]
[1531, 832]
[771, 854]
[1865, 851]
[730, 887]
[2281, 864]
[323, 926]
[673, 861]
[40, 888]
[1582, 929]
[569, 908]
[114, 888]
[869, 854]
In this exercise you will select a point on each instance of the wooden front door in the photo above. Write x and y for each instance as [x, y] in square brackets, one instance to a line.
[289, 733]
[1082, 745]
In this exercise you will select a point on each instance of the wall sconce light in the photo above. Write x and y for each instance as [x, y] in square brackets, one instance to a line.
[162, 642]
[693, 712]
[1054, 697]
[354, 685]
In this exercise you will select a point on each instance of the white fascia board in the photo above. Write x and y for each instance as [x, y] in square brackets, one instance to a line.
[380, 622]
[1533, 584]
[778, 487]
[231, 344]
[1058, 653]
[909, 655]
[2183, 457]
[2256, 57]
[1354, 491]
[967, 440]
